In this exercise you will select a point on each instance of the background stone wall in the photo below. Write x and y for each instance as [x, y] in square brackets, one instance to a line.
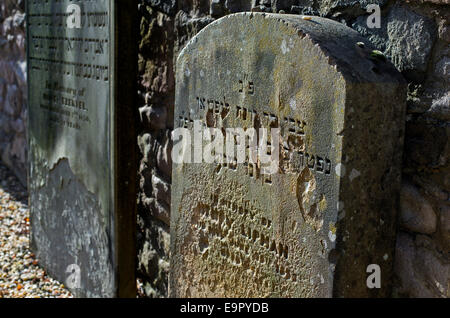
[414, 34]
[13, 91]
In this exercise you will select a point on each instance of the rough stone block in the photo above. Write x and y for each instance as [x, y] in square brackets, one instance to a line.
[82, 141]
[416, 213]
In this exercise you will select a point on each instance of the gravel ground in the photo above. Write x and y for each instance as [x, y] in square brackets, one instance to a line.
[20, 274]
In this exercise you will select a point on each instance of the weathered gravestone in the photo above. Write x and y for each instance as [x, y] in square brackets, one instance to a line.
[312, 226]
[81, 66]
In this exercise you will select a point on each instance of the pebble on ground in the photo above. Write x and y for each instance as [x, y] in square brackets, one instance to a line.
[20, 274]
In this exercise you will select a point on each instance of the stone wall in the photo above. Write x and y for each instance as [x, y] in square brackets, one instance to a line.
[13, 92]
[414, 34]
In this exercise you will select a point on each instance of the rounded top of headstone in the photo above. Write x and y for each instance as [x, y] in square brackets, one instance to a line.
[344, 48]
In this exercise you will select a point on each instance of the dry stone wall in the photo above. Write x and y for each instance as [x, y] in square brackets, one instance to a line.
[414, 34]
[13, 92]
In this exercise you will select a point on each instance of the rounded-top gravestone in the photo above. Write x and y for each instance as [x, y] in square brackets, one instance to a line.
[327, 109]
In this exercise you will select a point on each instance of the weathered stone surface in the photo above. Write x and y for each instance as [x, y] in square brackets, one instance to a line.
[424, 144]
[13, 90]
[406, 37]
[166, 6]
[238, 5]
[147, 147]
[354, 6]
[442, 69]
[154, 117]
[217, 8]
[13, 99]
[82, 144]
[161, 189]
[284, 5]
[433, 190]
[312, 228]
[426, 154]
[377, 36]
[164, 157]
[421, 271]
[411, 38]
[438, 1]
[153, 257]
[156, 90]
[440, 108]
[186, 27]
[444, 226]
[416, 213]
[444, 31]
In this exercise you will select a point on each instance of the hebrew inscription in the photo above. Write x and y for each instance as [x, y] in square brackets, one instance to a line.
[297, 230]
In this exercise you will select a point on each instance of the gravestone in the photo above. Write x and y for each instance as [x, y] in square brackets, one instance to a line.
[81, 71]
[322, 222]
